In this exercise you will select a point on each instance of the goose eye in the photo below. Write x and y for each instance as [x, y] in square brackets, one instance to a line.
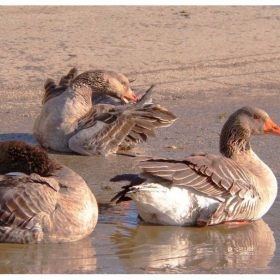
[257, 117]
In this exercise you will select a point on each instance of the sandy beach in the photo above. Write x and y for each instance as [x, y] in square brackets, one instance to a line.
[225, 56]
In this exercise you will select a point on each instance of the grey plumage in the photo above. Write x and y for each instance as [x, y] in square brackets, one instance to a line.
[239, 185]
[69, 122]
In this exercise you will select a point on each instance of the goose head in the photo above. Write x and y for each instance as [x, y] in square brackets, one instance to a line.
[19, 156]
[107, 82]
[241, 126]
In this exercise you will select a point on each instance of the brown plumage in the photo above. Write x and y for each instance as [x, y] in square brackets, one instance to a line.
[27, 158]
[68, 121]
[41, 201]
[206, 189]
[52, 89]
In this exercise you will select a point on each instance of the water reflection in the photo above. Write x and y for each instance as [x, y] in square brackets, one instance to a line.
[75, 257]
[217, 249]
[28, 137]
[120, 245]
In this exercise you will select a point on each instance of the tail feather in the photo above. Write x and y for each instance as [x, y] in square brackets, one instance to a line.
[66, 80]
[51, 90]
[49, 85]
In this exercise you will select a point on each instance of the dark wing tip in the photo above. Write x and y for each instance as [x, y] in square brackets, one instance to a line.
[133, 179]
[145, 97]
[120, 196]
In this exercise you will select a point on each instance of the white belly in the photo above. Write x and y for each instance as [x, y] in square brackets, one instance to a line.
[171, 206]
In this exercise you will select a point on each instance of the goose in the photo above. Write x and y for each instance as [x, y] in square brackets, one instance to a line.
[41, 201]
[69, 122]
[206, 189]
[107, 99]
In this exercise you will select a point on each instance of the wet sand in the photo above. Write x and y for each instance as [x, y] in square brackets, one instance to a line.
[206, 62]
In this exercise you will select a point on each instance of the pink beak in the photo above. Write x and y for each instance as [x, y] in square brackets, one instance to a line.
[130, 95]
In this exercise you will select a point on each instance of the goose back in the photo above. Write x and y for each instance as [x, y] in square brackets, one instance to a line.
[51, 206]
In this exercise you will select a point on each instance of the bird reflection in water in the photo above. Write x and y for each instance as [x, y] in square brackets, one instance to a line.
[72, 257]
[214, 249]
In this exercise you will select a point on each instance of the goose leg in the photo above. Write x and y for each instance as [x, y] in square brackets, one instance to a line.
[235, 224]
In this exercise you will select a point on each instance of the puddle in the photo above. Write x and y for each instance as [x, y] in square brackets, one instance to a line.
[121, 244]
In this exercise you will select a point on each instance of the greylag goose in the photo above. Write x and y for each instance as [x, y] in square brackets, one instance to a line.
[41, 201]
[207, 189]
[68, 121]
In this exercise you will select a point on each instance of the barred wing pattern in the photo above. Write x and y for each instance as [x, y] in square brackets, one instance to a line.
[149, 118]
[212, 176]
[20, 208]
[105, 129]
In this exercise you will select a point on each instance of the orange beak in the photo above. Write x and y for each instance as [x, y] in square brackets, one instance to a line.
[130, 95]
[270, 127]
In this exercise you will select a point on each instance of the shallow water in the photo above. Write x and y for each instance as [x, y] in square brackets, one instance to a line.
[122, 244]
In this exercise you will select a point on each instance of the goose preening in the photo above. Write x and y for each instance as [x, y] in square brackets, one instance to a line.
[68, 121]
[41, 201]
[207, 189]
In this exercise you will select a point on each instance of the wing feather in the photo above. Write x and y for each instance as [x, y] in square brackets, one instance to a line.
[106, 128]
[20, 205]
[214, 176]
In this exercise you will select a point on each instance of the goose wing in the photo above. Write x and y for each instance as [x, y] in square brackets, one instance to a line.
[24, 199]
[98, 112]
[213, 176]
[149, 118]
[152, 115]
[104, 129]
[101, 130]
